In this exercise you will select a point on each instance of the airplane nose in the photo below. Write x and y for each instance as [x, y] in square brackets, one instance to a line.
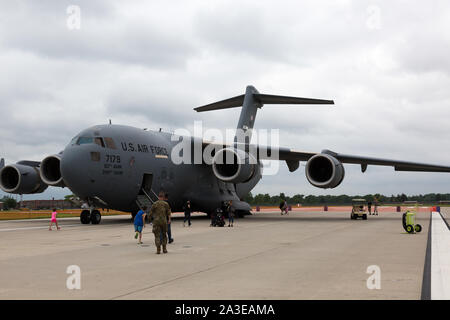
[74, 170]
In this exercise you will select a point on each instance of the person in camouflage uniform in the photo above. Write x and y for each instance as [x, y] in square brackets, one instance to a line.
[160, 213]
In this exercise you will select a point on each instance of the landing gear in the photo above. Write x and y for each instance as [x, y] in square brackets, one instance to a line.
[96, 217]
[93, 217]
[85, 217]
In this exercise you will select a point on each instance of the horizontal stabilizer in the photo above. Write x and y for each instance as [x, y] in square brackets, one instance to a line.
[251, 101]
[224, 104]
[262, 99]
[272, 99]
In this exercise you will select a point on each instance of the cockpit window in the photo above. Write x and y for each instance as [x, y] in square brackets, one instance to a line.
[97, 140]
[100, 142]
[110, 143]
[73, 141]
[85, 140]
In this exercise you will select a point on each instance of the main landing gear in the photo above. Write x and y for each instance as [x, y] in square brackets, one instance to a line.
[90, 216]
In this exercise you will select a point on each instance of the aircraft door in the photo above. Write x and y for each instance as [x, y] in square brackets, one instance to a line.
[147, 181]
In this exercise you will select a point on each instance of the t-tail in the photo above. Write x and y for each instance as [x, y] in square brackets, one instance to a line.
[251, 101]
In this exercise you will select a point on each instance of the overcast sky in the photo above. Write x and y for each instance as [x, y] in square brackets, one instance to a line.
[148, 63]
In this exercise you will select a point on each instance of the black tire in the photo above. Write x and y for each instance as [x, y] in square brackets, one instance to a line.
[364, 216]
[352, 216]
[409, 228]
[404, 221]
[85, 217]
[418, 227]
[96, 217]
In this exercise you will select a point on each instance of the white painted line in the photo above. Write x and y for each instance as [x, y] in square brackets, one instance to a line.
[37, 219]
[440, 258]
[33, 228]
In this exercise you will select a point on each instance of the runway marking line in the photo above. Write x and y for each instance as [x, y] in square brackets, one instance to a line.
[34, 228]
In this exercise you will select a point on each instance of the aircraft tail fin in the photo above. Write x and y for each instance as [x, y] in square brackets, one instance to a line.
[251, 101]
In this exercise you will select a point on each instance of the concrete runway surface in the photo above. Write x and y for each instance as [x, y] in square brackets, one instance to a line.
[305, 255]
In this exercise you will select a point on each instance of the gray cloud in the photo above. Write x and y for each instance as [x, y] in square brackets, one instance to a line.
[105, 34]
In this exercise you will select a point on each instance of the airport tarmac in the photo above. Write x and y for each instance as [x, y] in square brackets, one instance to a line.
[305, 255]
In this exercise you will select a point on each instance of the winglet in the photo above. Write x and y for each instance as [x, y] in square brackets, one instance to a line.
[2, 163]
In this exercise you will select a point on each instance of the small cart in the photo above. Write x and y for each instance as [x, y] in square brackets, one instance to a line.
[359, 209]
[409, 217]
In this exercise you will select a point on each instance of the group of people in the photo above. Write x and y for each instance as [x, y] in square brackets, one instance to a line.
[161, 217]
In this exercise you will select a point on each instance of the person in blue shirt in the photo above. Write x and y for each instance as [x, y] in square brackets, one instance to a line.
[139, 223]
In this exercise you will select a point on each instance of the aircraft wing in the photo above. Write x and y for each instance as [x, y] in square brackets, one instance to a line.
[292, 157]
[30, 163]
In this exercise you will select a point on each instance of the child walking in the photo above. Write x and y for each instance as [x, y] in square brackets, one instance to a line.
[54, 213]
[139, 224]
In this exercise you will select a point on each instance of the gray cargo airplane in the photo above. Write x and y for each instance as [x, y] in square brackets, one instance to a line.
[123, 168]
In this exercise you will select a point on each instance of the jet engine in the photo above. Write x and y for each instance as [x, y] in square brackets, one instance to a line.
[21, 179]
[51, 172]
[234, 165]
[324, 171]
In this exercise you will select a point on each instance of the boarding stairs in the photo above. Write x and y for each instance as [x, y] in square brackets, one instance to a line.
[146, 199]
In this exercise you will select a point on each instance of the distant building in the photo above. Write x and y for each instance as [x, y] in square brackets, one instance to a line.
[47, 204]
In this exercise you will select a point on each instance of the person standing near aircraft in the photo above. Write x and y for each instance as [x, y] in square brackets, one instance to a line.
[139, 223]
[160, 213]
[230, 210]
[53, 220]
[187, 213]
[169, 224]
[284, 207]
[375, 209]
[369, 207]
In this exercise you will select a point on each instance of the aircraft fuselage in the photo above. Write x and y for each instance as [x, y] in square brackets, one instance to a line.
[108, 162]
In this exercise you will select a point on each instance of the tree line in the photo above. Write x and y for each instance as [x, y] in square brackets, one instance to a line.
[268, 200]
[8, 203]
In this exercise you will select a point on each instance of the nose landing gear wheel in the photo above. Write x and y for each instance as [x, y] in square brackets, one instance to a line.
[96, 217]
[85, 217]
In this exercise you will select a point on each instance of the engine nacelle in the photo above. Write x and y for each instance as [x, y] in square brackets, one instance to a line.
[234, 165]
[51, 172]
[324, 171]
[21, 179]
